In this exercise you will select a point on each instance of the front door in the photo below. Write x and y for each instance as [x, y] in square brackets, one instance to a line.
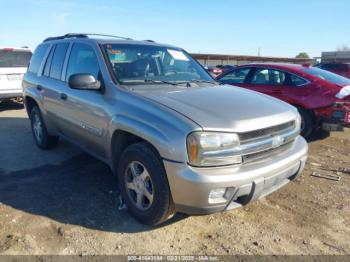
[85, 110]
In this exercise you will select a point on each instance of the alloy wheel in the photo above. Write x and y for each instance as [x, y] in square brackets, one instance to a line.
[37, 128]
[139, 186]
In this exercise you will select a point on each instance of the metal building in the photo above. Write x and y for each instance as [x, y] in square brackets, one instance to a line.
[217, 59]
[337, 56]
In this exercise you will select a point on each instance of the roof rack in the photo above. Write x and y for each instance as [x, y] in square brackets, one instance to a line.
[80, 35]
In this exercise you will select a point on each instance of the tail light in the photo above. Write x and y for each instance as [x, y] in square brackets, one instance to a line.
[217, 71]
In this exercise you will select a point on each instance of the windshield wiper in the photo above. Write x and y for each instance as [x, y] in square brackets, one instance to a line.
[160, 82]
[202, 81]
[187, 83]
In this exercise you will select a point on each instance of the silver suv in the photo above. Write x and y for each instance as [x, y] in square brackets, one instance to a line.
[176, 139]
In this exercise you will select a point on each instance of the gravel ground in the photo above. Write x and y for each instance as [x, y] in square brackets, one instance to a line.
[66, 202]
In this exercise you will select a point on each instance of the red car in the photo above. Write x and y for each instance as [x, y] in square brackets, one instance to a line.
[322, 97]
[342, 69]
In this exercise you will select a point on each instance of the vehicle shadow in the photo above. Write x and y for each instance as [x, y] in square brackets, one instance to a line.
[10, 105]
[318, 135]
[78, 191]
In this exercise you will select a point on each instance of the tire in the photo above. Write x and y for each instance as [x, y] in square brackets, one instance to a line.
[41, 137]
[307, 124]
[141, 172]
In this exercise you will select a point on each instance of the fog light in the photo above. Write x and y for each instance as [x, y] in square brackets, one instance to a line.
[217, 196]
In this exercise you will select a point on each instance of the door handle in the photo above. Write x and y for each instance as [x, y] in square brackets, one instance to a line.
[40, 88]
[63, 96]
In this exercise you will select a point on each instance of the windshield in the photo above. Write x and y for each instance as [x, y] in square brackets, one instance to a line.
[328, 76]
[9, 58]
[154, 64]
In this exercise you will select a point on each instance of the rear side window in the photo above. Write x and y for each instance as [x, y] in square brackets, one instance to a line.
[296, 81]
[48, 62]
[58, 60]
[37, 58]
[264, 76]
[237, 76]
[82, 60]
[11, 58]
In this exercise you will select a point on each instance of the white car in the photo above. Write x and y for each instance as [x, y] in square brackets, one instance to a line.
[13, 65]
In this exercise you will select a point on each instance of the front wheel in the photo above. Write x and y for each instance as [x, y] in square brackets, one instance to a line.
[144, 185]
[41, 137]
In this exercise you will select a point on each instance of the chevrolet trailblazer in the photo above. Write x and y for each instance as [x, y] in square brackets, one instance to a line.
[176, 139]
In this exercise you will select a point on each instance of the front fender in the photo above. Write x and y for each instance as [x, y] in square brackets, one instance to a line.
[169, 141]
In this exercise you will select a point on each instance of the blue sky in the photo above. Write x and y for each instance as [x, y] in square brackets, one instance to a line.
[278, 27]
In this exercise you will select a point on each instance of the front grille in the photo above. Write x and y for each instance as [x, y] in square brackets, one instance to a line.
[267, 154]
[263, 144]
[266, 132]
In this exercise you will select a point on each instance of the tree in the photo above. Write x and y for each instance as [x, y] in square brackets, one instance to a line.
[303, 55]
[343, 48]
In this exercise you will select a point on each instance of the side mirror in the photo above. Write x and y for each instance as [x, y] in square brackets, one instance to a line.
[84, 82]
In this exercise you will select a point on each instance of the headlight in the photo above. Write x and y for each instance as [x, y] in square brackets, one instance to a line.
[213, 149]
[298, 122]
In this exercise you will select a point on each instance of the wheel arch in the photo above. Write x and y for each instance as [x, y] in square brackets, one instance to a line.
[29, 103]
[309, 110]
[122, 139]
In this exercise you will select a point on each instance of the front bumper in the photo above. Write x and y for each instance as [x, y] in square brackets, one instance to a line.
[190, 186]
[10, 94]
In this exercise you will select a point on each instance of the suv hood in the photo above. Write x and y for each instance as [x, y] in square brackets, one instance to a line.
[225, 108]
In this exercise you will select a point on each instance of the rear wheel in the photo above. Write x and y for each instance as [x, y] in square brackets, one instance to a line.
[41, 137]
[144, 185]
[306, 122]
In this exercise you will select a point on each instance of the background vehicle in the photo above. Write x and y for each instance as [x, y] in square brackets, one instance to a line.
[322, 97]
[175, 139]
[342, 69]
[13, 65]
[219, 69]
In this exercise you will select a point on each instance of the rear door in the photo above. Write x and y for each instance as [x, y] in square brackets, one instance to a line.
[52, 83]
[268, 81]
[13, 65]
[298, 90]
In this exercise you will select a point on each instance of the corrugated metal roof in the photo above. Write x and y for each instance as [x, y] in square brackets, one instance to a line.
[251, 58]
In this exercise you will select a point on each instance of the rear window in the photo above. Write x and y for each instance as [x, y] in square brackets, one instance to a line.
[328, 76]
[9, 58]
[336, 67]
[37, 58]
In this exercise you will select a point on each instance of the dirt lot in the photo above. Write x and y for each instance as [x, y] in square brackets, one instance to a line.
[66, 202]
